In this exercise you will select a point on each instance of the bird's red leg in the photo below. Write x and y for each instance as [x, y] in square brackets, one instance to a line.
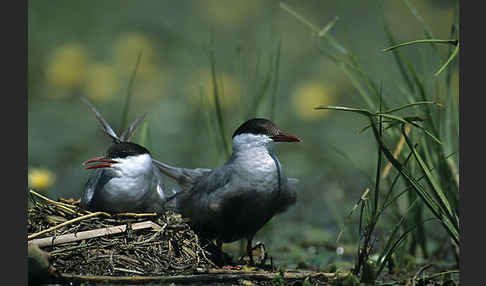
[249, 250]
[219, 247]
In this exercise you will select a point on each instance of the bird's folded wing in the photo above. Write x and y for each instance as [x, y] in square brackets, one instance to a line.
[90, 187]
[215, 180]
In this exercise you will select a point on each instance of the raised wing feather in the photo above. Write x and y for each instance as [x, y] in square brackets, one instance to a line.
[106, 127]
[128, 134]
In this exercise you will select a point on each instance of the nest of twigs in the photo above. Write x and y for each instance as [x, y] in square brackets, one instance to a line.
[69, 244]
[86, 243]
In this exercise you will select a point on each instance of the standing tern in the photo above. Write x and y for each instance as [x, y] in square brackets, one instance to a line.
[236, 199]
[125, 179]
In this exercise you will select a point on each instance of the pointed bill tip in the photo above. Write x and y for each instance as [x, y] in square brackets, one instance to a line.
[285, 137]
[102, 161]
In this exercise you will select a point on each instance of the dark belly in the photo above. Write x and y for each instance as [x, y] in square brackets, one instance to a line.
[235, 217]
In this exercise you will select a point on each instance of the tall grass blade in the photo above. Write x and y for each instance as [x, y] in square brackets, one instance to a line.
[412, 104]
[216, 96]
[449, 60]
[427, 31]
[126, 105]
[437, 190]
[383, 256]
[349, 63]
[419, 83]
[316, 30]
[454, 35]
[433, 206]
[328, 27]
[437, 41]
[387, 201]
[262, 92]
[357, 84]
[363, 198]
[400, 60]
[144, 137]
[209, 126]
[301, 18]
[348, 109]
[391, 249]
[420, 19]
[385, 115]
[450, 42]
[378, 170]
[404, 120]
[273, 102]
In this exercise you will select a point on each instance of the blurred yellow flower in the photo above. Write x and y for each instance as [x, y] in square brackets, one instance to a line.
[309, 95]
[150, 89]
[228, 13]
[101, 82]
[228, 88]
[40, 178]
[67, 66]
[126, 50]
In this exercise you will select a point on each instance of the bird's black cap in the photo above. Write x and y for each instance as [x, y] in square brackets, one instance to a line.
[257, 126]
[125, 149]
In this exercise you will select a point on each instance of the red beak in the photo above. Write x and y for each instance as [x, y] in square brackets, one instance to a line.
[285, 137]
[102, 160]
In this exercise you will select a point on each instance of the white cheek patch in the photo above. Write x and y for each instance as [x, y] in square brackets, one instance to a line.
[248, 141]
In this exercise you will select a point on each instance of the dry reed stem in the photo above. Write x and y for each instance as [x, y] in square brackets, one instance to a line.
[227, 276]
[72, 237]
[60, 205]
[34, 235]
[397, 151]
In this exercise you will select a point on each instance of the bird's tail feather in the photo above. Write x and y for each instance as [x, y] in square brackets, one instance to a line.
[173, 172]
[186, 178]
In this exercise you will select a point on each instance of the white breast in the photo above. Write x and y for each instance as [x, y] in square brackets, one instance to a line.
[253, 163]
[131, 176]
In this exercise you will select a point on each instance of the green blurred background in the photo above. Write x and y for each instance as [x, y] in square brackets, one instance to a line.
[90, 48]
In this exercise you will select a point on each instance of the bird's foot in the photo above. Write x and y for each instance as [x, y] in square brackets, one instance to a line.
[217, 255]
[258, 256]
[261, 252]
[224, 259]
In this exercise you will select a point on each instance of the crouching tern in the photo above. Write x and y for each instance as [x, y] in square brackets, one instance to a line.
[125, 179]
[235, 200]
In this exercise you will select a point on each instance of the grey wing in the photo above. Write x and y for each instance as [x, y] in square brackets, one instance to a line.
[212, 181]
[106, 127]
[208, 190]
[288, 196]
[156, 201]
[90, 187]
[128, 134]
[203, 200]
